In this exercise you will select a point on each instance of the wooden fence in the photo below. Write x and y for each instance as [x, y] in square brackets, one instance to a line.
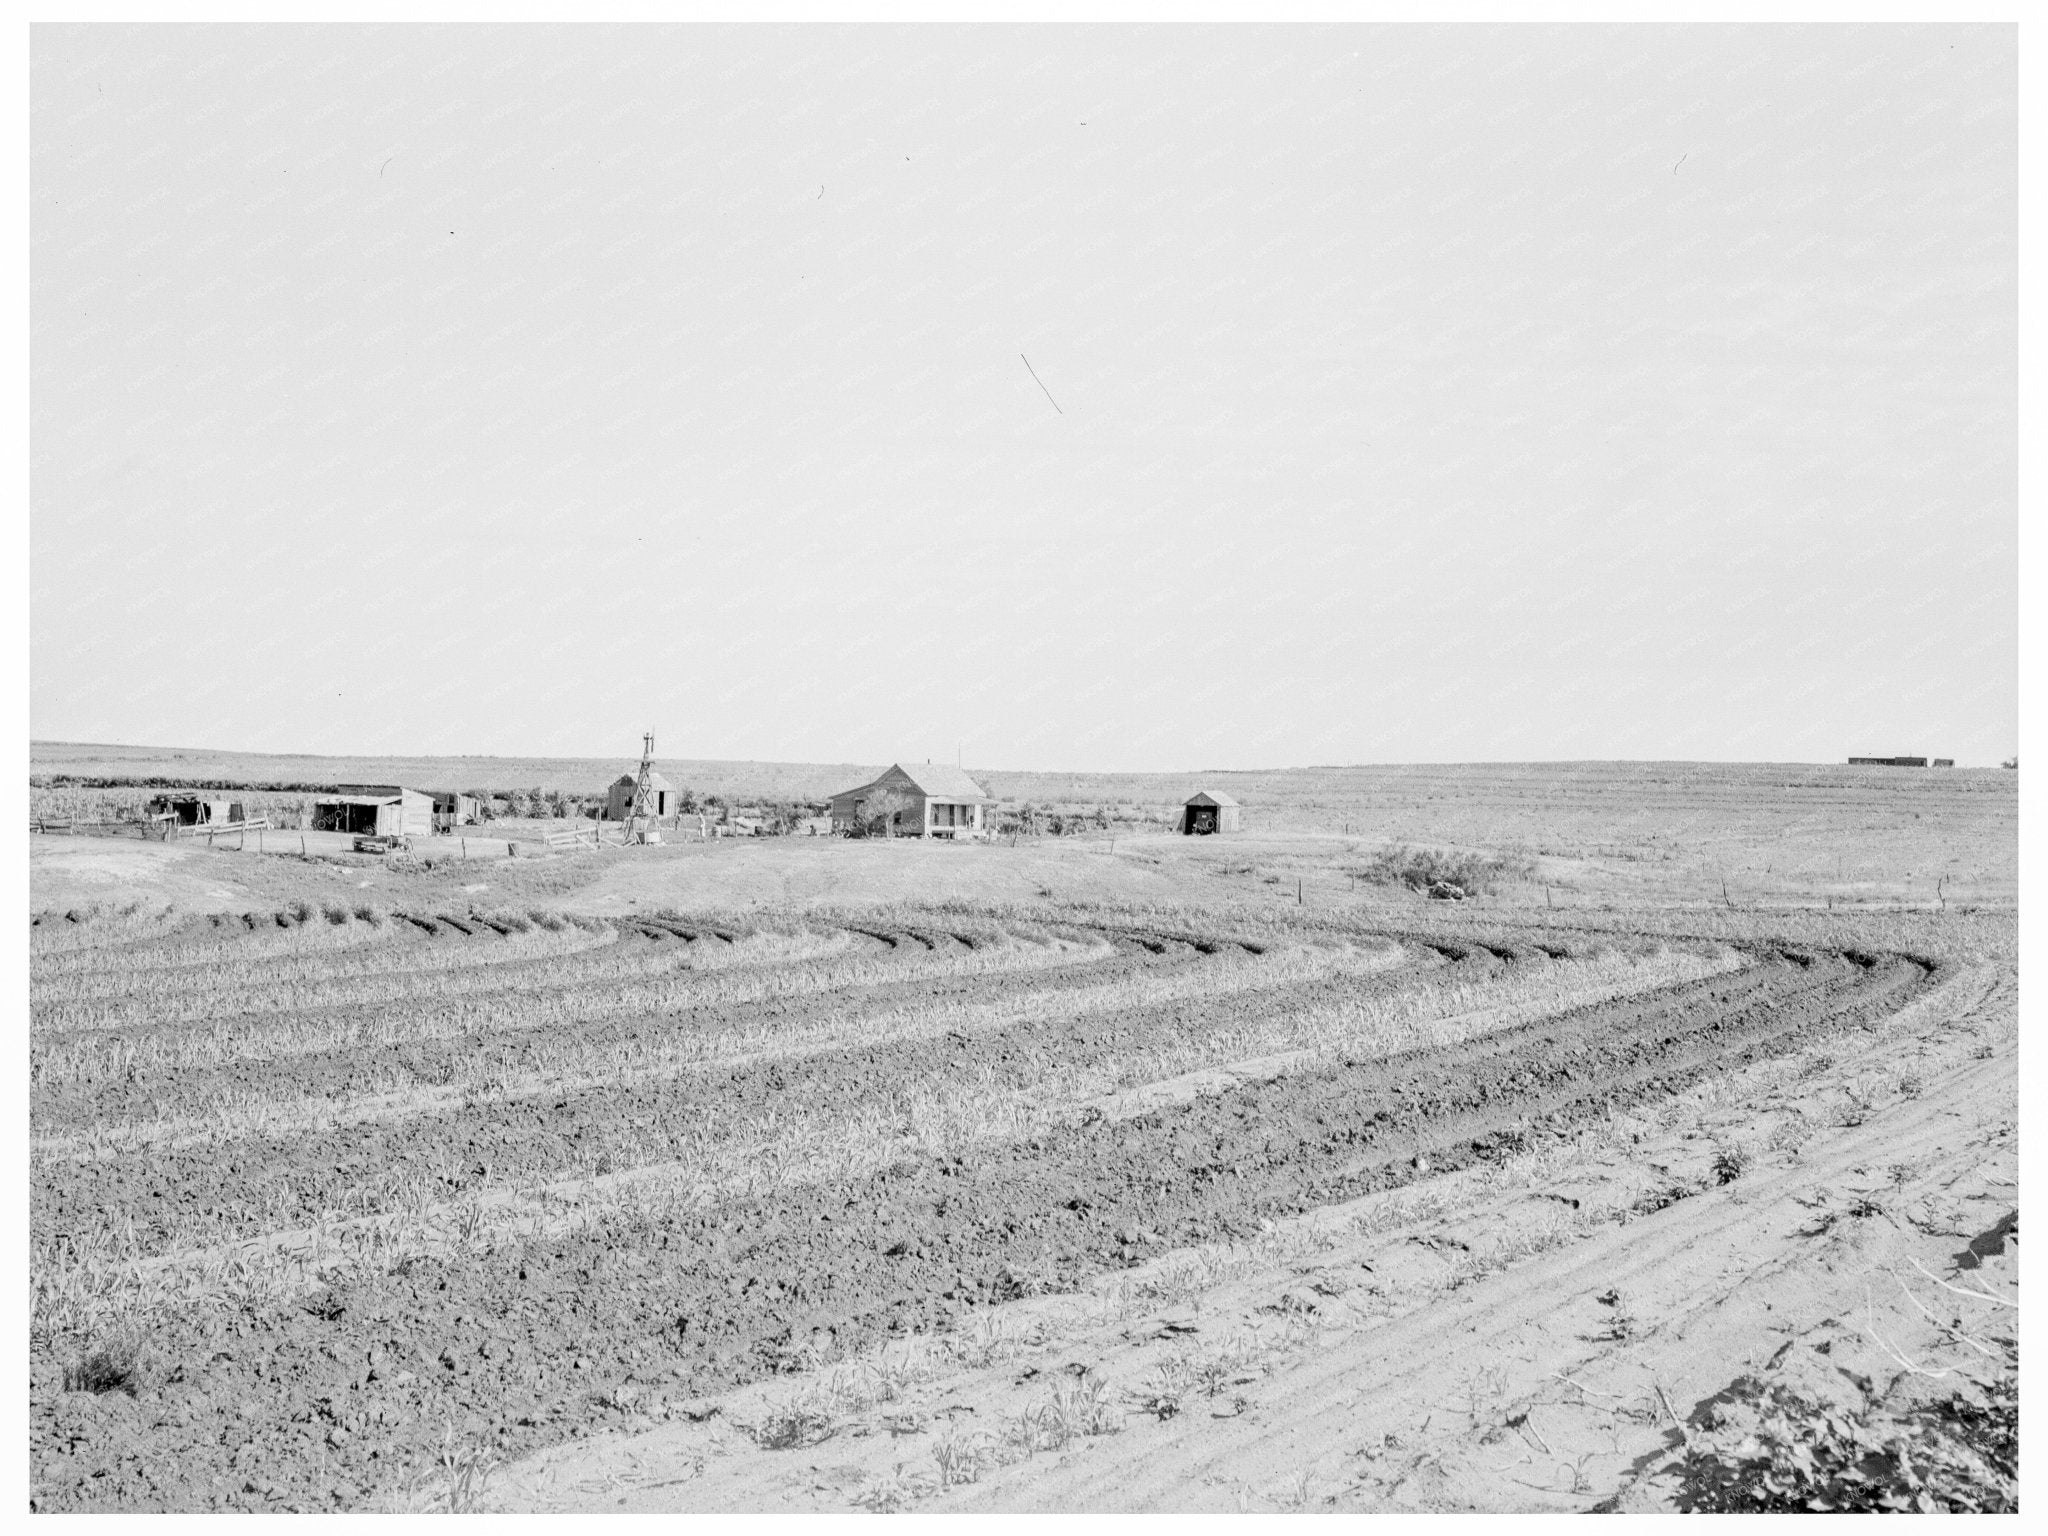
[570, 837]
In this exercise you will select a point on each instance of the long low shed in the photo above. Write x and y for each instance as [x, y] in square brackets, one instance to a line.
[382, 810]
[194, 811]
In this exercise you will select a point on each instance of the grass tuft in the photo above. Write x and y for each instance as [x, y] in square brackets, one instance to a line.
[117, 1366]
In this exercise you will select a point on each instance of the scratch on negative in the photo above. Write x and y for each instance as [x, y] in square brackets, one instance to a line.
[1040, 382]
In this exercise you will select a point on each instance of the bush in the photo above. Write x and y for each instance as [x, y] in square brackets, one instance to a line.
[1788, 1454]
[1421, 868]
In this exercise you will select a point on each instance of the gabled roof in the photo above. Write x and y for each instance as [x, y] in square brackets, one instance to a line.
[935, 781]
[1210, 797]
[939, 781]
[654, 780]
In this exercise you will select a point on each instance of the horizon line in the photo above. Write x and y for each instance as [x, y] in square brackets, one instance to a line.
[1842, 762]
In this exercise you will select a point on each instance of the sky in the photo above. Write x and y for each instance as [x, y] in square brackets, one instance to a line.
[1076, 398]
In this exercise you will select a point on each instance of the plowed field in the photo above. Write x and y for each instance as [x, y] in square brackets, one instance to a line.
[342, 1206]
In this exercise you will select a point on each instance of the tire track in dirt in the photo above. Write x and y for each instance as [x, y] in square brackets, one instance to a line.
[520, 1337]
[1726, 1275]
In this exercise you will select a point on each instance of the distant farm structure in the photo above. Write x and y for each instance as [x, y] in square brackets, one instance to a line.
[1899, 762]
[374, 810]
[1210, 811]
[453, 809]
[193, 811]
[662, 796]
[928, 800]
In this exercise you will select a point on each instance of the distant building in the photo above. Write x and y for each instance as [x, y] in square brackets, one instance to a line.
[938, 801]
[452, 810]
[1211, 811]
[1943, 762]
[1892, 762]
[192, 811]
[381, 810]
[618, 803]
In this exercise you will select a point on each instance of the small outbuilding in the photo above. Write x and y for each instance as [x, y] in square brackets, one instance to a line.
[1210, 811]
[453, 809]
[932, 800]
[618, 804]
[374, 810]
[193, 811]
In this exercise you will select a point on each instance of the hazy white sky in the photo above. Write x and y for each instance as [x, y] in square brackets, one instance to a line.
[1421, 393]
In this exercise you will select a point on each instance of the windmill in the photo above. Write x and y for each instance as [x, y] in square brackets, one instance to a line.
[642, 826]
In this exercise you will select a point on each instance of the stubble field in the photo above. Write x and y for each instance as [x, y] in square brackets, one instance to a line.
[1174, 1175]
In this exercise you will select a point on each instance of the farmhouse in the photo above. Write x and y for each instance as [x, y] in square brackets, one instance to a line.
[382, 810]
[618, 803]
[1211, 811]
[938, 801]
[1891, 762]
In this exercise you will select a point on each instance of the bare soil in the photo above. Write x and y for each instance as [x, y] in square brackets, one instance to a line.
[560, 1194]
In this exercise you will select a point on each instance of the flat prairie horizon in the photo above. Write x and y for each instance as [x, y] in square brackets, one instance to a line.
[78, 757]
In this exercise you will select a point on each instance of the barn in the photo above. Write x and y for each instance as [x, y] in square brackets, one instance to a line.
[938, 801]
[382, 810]
[1211, 811]
[618, 804]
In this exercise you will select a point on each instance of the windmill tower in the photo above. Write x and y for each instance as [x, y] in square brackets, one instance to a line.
[642, 826]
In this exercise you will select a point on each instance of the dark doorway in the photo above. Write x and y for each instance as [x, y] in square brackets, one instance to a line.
[342, 817]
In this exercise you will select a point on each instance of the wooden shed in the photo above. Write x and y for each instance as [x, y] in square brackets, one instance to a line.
[1211, 811]
[938, 801]
[382, 810]
[618, 802]
[453, 809]
[195, 811]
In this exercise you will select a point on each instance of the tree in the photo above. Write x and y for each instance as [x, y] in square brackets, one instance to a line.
[880, 810]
